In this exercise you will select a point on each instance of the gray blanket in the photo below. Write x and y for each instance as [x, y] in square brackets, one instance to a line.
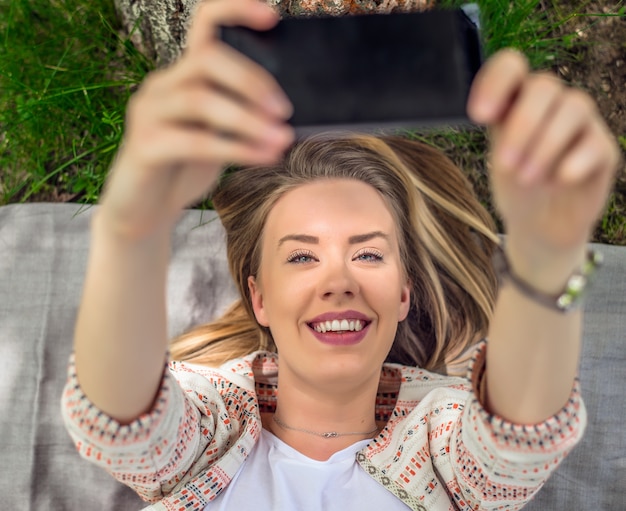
[43, 252]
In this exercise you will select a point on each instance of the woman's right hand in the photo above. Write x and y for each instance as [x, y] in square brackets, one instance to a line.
[213, 107]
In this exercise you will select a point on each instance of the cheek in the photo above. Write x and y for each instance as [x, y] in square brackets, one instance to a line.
[394, 300]
[286, 296]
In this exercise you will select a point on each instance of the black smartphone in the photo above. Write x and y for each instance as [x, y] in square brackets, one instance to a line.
[369, 71]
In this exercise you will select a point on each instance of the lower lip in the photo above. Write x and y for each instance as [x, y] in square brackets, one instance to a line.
[341, 339]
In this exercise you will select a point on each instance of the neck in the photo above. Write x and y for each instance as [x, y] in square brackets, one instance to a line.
[306, 411]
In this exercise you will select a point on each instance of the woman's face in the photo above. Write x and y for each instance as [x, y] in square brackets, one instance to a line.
[331, 287]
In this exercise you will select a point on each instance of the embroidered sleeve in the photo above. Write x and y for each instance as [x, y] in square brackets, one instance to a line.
[152, 453]
[203, 424]
[497, 462]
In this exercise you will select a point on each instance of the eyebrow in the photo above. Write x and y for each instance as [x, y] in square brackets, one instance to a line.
[352, 240]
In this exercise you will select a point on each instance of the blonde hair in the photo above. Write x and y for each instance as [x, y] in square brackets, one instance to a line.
[446, 242]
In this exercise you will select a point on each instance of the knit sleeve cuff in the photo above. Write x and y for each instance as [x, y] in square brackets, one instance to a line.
[142, 447]
[557, 434]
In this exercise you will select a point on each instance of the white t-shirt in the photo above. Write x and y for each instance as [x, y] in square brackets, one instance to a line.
[276, 477]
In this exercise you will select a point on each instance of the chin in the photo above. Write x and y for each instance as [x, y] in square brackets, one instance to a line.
[344, 367]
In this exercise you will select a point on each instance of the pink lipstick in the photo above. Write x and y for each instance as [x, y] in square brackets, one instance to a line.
[340, 328]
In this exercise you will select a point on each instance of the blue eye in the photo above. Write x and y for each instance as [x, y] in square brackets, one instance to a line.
[370, 256]
[300, 257]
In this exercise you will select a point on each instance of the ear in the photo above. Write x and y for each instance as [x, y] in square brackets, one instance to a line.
[405, 302]
[256, 297]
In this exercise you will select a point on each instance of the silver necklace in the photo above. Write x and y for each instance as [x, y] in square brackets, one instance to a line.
[328, 434]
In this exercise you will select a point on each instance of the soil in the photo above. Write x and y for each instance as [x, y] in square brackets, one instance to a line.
[599, 67]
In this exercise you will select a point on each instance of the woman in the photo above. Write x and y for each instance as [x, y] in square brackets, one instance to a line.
[348, 251]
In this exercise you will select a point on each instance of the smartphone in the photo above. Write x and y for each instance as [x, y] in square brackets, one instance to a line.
[369, 71]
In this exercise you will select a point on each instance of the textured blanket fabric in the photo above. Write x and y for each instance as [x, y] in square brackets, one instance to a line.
[43, 253]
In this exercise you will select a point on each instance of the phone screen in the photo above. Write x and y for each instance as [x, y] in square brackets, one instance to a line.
[369, 71]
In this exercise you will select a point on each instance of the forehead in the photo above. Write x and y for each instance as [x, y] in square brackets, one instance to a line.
[330, 208]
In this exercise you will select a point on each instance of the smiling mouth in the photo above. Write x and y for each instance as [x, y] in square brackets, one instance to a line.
[338, 326]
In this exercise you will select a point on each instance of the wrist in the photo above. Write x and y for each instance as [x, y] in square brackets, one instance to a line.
[545, 270]
[568, 297]
[124, 233]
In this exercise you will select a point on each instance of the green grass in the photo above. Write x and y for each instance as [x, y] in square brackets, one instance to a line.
[66, 75]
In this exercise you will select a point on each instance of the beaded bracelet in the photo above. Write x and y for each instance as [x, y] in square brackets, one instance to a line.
[565, 301]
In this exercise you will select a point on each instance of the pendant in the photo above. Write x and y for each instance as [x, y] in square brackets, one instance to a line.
[330, 434]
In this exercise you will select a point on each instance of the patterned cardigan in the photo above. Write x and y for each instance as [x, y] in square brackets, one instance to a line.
[440, 450]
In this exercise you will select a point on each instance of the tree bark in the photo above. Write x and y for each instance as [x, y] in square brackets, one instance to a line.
[158, 27]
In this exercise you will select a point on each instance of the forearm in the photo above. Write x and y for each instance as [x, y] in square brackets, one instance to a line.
[533, 352]
[552, 164]
[121, 334]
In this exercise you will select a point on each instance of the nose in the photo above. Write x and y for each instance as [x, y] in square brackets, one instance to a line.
[337, 280]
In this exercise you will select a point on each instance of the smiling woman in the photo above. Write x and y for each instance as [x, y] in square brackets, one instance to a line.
[332, 286]
[352, 251]
[354, 372]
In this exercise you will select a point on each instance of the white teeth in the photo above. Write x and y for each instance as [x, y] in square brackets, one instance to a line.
[354, 325]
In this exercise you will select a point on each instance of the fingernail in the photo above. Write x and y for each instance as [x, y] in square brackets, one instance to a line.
[529, 172]
[509, 157]
[483, 110]
[278, 135]
[280, 106]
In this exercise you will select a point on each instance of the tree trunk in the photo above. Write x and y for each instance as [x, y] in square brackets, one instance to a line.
[158, 27]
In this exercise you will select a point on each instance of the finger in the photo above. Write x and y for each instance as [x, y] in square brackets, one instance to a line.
[240, 75]
[569, 119]
[175, 146]
[211, 14]
[215, 111]
[495, 86]
[525, 121]
[222, 66]
[592, 153]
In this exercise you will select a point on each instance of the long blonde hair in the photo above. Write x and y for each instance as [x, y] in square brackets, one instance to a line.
[446, 242]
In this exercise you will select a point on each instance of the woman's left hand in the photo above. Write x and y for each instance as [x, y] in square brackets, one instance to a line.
[553, 160]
